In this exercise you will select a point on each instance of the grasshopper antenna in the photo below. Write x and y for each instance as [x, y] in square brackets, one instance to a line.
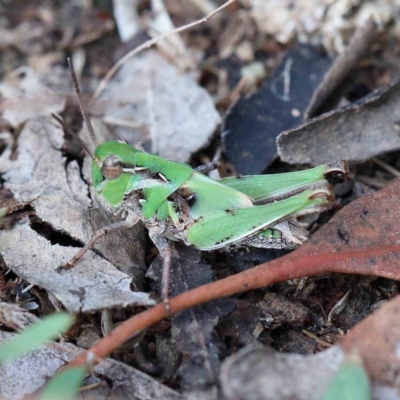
[85, 115]
[69, 131]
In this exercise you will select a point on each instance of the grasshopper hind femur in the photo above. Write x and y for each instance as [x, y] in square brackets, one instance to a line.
[111, 168]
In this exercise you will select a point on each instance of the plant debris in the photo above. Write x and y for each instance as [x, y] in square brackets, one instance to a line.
[258, 373]
[266, 67]
[18, 378]
[321, 21]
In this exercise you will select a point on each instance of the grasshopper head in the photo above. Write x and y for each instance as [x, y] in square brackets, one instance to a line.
[112, 169]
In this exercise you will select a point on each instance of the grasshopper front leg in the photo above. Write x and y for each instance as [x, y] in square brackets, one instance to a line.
[128, 223]
[287, 234]
[164, 248]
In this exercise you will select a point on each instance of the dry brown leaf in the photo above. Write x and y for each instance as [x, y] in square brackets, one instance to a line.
[354, 133]
[150, 101]
[24, 96]
[61, 199]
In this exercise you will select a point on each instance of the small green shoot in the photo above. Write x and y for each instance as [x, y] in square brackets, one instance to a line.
[350, 382]
[44, 330]
[65, 385]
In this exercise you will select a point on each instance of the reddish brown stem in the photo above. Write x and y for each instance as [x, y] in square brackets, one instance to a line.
[371, 261]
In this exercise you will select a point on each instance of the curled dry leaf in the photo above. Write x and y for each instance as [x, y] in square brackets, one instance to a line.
[358, 47]
[173, 45]
[40, 175]
[93, 284]
[360, 131]
[127, 18]
[376, 339]
[370, 221]
[150, 101]
[28, 374]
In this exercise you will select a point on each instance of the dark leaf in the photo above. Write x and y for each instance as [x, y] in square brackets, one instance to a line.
[253, 123]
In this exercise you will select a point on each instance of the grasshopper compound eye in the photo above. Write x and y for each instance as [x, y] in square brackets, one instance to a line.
[112, 168]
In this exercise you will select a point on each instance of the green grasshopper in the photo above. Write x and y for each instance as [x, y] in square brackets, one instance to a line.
[176, 202]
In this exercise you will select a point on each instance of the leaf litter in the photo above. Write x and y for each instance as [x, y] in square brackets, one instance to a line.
[19, 379]
[24, 96]
[362, 224]
[174, 116]
[261, 374]
[41, 175]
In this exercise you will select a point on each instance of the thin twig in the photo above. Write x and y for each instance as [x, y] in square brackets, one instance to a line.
[317, 339]
[375, 182]
[150, 43]
[386, 167]
[287, 79]
[285, 76]
[85, 115]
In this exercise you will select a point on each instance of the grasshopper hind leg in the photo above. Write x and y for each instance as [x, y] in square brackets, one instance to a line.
[164, 248]
[292, 231]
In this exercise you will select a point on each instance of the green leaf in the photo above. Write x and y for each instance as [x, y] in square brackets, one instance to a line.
[42, 331]
[350, 383]
[64, 385]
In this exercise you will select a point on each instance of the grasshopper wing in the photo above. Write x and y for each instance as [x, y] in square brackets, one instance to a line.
[211, 196]
[221, 228]
[265, 188]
